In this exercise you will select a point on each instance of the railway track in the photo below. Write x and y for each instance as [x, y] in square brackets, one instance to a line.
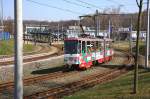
[86, 82]
[34, 58]
[70, 88]
[32, 80]
[66, 89]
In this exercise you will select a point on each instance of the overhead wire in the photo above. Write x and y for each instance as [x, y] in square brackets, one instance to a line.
[55, 7]
[74, 3]
[92, 5]
[77, 4]
[113, 1]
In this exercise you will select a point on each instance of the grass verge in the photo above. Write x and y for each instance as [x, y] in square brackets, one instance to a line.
[7, 47]
[120, 88]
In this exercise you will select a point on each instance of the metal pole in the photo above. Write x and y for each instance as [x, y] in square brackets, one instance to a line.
[131, 36]
[1, 17]
[62, 29]
[98, 24]
[147, 36]
[99, 29]
[74, 30]
[109, 29]
[96, 19]
[80, 31]
[18, 69]
[58, 33]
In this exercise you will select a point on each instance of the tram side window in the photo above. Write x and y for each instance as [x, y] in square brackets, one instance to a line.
[100, 46]
[93, 46]
[79, 47]
[110, 44]
[71, 47]
[88, 46]
[83, 47]
[97, 45]
[107, 45]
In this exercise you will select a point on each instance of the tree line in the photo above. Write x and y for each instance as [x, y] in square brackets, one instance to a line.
[116, 18]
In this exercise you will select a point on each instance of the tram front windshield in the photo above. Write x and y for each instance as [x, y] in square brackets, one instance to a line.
[71, 47]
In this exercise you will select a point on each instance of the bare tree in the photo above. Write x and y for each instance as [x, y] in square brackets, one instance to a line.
[8, 26]
[140, 4]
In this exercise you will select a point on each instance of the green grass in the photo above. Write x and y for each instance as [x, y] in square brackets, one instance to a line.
[122, 45]
[119, 88]
[7, 47]
[141, 48]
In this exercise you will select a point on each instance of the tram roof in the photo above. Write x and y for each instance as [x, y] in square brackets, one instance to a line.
[89, 39]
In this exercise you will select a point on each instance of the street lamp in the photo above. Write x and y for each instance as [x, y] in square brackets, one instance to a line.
[147, 36]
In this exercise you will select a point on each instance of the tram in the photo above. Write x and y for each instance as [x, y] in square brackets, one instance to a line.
[82, 53]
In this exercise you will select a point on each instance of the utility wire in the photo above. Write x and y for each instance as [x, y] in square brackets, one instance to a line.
[74, 3]
[51, 6]
[89, 4]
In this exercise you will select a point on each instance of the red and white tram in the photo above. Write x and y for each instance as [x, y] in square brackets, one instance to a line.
[83, 52]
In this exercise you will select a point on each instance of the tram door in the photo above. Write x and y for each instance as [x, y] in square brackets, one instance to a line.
[83, 47]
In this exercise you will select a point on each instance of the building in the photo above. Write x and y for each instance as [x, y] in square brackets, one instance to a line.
[1, 28]
[75, 31]
[35, 28]
[124, 34]
[142, 35]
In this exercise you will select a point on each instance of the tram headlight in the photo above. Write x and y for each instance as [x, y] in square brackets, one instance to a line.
[73, 60]
[76, 59]
[66, 59]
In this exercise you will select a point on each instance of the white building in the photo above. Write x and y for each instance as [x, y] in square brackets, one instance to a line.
[142, 35]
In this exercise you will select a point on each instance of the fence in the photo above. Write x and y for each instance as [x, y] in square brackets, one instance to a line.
[4, 35]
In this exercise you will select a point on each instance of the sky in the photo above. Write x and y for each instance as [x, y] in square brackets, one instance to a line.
[57, 10]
